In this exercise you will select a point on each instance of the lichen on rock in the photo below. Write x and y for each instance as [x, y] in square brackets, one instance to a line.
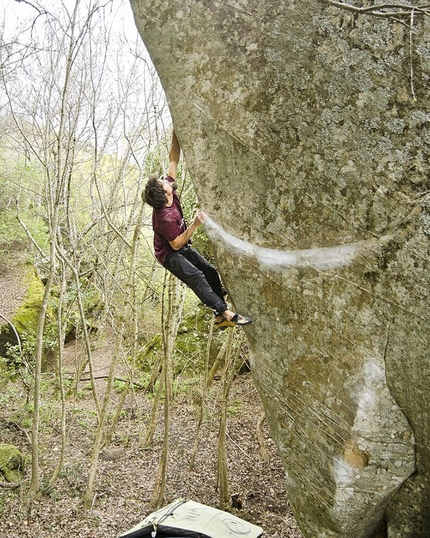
[26, 317]
[306, 128]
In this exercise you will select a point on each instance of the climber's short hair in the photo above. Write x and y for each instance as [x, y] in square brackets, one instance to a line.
[154, 193]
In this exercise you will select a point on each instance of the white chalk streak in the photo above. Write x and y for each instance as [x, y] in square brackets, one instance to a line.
[323, 258]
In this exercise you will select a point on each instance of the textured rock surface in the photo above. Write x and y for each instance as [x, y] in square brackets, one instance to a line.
[308, 140]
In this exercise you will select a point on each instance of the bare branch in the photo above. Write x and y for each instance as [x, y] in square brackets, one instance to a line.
[400, 9]
[14, 330]
[37, 8]
[11, 485]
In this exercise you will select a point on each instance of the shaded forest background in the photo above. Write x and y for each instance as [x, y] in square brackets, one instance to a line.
[116, 391]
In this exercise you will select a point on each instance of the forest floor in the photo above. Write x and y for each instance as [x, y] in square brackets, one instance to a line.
[126, 470]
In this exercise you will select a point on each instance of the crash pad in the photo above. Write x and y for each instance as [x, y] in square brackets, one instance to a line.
[189, 518]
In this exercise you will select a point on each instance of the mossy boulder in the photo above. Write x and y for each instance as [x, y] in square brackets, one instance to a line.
[305, 128]
[26, 317]
[25, 321]
[11, 463]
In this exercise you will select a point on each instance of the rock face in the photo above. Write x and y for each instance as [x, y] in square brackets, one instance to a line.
[305, 126]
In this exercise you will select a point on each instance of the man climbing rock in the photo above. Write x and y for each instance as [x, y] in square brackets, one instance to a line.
[172, 243]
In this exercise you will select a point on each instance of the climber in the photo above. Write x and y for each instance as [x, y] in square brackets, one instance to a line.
[172, 243]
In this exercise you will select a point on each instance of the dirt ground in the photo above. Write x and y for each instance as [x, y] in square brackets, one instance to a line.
[12, 289]
[126, 471]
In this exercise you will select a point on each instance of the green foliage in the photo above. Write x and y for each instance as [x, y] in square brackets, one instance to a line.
[190, 345]
[8, 371]
[19, 180]
[14, 401]
[12, 240]
[20, 358]
[203, 244]
[147, 356]
[235, 407]
[119, 385]
[11, 231]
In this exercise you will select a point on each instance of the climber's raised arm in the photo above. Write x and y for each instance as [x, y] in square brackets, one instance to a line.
[174, 154]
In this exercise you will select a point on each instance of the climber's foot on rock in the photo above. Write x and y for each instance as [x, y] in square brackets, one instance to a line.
[231, 319]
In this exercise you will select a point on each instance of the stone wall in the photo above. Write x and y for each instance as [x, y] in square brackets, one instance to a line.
[306, 130]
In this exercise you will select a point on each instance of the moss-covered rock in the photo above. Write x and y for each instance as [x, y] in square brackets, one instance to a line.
[26, 317]
[11, 463]
[25, 321]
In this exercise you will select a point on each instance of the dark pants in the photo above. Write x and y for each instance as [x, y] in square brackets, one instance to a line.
[199, 275]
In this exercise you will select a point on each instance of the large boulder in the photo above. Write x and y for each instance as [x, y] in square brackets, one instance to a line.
[305, 126]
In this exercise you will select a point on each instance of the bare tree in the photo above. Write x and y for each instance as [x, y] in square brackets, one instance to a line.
[203, 397]
[93, 137]
[55, 187]
[231, 367]
[171, 321]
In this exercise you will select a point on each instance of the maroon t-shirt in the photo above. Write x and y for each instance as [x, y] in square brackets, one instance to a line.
[167, 223]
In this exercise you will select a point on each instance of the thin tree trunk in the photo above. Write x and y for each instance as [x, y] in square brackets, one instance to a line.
[53, 203]
[155, 403]
[229, 372]
[60, 380]
[157, 496]
[86, 335]
[171, 325]
[203, 397]
[154, 414]
[155, 373]
[118, 410]
[217, 363]
[34, 484]
[100, 436]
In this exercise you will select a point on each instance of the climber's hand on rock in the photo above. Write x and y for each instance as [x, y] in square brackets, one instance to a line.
[199, 218]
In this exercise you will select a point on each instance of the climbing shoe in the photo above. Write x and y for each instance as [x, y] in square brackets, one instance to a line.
[236, 321]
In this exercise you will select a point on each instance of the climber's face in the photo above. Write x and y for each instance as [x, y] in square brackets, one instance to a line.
[168, 189]
[166, 186]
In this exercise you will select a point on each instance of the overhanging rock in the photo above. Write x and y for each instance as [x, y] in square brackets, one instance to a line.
[305, 126]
